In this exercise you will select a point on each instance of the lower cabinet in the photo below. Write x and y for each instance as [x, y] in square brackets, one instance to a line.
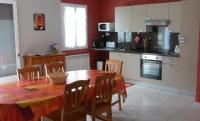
[131, 64]
[170, 75]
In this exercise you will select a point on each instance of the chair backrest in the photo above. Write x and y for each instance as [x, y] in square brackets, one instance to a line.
[75, 97]
[103, 88]
[113, 66]
[54, 67]
[28, 73]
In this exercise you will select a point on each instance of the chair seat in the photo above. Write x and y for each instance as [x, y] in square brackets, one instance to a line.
[56, 116]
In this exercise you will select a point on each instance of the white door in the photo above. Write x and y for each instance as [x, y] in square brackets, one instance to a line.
[9, 46]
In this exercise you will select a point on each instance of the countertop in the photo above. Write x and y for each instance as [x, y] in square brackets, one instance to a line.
[137, 51]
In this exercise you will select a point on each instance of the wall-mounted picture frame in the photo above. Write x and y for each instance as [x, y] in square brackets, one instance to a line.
[39, 21]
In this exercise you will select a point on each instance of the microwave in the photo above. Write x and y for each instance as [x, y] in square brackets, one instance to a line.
[106, 27]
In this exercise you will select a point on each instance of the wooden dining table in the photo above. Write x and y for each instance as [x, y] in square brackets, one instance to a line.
[27, 100]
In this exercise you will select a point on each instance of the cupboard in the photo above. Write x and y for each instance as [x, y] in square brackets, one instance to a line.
[123, 18]
[132, 18]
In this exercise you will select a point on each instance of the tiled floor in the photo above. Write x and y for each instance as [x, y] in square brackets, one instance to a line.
[148, 104]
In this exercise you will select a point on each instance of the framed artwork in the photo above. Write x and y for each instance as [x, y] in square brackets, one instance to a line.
[39, 21]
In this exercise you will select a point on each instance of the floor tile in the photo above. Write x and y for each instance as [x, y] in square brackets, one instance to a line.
[149, 104]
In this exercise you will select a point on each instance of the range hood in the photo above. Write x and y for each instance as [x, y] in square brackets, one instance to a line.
[156, 22]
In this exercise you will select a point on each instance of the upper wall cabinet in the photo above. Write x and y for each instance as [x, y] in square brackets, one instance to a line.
[131, 18]
[138, 17]
[157, 11]
[175, 16]
[123, 19]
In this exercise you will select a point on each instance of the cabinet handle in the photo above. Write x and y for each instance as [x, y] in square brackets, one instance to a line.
[169, 60]
[168, 66]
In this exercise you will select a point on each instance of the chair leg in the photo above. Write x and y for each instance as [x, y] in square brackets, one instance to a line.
[93, 117]
[109, 115]
[119, 98]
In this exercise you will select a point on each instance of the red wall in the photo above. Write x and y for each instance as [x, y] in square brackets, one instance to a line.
[198, 74]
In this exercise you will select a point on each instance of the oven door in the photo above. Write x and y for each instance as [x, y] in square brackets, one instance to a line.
[151, 69]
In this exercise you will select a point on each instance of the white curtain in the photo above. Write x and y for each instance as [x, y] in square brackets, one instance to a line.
[75, 31]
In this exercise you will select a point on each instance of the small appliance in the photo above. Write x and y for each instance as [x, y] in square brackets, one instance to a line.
[98, 43]
[106, 27]
[110, 44]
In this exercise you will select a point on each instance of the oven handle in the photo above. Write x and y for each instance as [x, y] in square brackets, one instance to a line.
[151, 61]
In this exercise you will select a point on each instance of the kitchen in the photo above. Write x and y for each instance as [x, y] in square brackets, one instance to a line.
[175, 70]
[168, 93]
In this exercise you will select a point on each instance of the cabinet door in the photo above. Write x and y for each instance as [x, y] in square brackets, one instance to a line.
[123, 19]
[189, 47]
[175, 16]
[115, 55]
[157, 11]
[131, 66]
[139, 15]
[170, 76]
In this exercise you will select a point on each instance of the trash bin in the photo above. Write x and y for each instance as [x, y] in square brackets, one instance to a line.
[99, 65]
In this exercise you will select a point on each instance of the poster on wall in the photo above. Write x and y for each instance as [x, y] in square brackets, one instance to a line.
[39, 21]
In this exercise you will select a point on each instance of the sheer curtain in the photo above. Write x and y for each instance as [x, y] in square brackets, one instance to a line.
[74, 26]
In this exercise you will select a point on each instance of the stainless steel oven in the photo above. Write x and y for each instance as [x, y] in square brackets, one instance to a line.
[151, 66]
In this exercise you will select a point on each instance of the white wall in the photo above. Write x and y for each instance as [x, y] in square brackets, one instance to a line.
[31, 41]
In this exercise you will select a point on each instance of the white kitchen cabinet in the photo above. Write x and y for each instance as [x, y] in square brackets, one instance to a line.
[131, 64]
[131, 68]
[175, 16]
[157, 11]
[170, 72]
[189, 44]
[116, 55]
[139, 16]
[123, 19]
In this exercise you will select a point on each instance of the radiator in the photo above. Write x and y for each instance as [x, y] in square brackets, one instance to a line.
[78, 62]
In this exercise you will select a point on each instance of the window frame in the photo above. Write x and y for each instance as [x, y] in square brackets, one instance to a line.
[63, 28]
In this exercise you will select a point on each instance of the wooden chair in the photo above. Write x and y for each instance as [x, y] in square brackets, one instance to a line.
[54, 67]
[28, 73]
[115, 66]
[101, 102]
[74, 103]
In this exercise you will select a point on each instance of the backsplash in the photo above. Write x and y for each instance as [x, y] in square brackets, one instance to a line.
[146, 41]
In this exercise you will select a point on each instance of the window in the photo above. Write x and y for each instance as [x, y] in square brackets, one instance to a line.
[74, 23]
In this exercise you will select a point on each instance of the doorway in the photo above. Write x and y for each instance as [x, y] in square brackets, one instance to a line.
[9, 43]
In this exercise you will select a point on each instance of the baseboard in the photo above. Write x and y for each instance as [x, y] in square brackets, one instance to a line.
[170, 89]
